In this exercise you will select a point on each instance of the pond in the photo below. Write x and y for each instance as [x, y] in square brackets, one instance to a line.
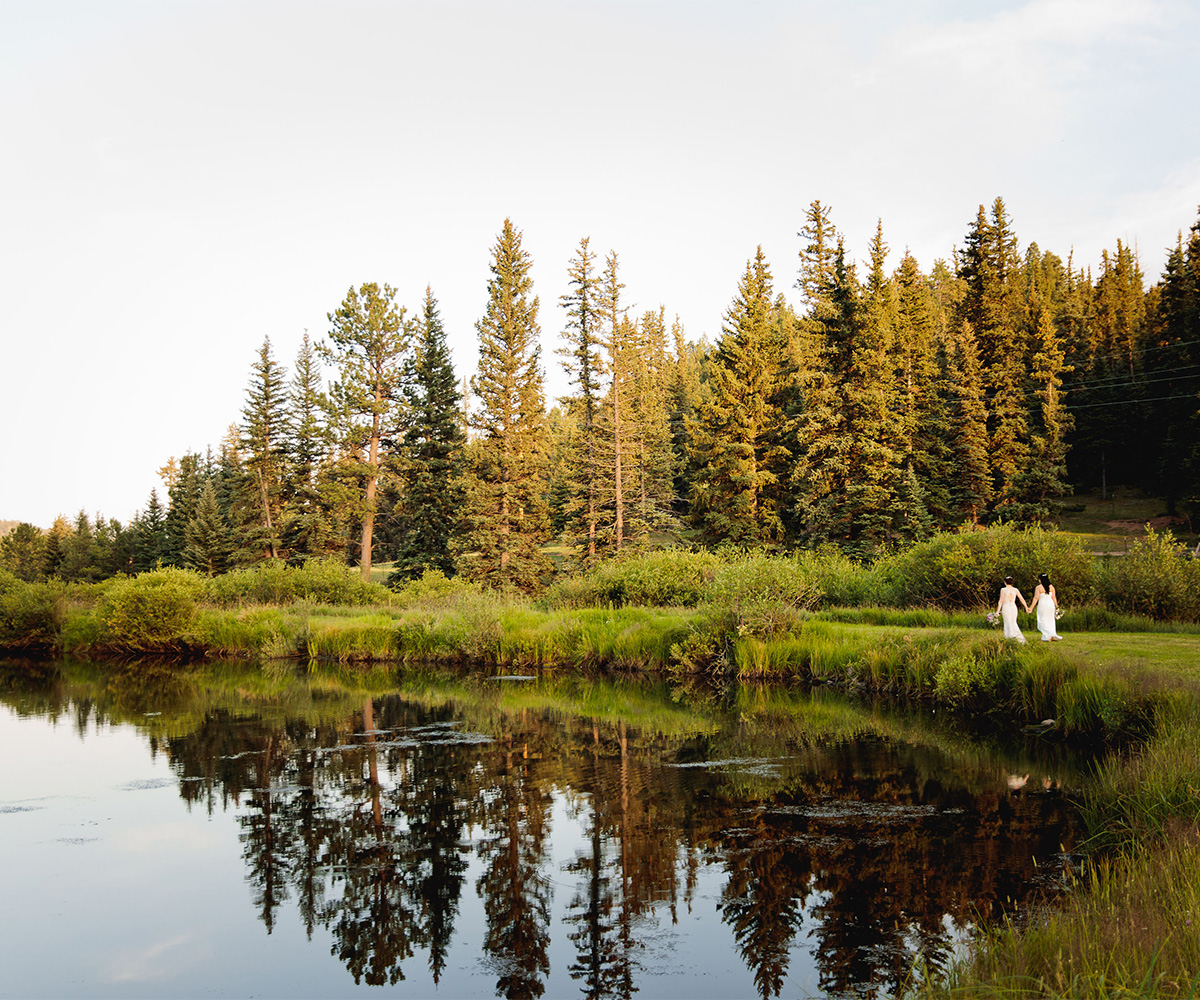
[231, 830]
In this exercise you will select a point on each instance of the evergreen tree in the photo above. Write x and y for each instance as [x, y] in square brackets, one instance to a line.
[618, 343]
[22, 552]
[207, 548]
[987, 267]
[653, 463]
[922, 370]
[823, 465]
[688, 396]
[183, 496]
[1046, 475]
[264, 439]
[874, 414]
[738, 438]
[78, 558]
[369, 337]
[968, 429]
[432, 446]
[818, 258]
[506, 515]
[54, 549]
[1174, 413]
[583, 471]
[306, 525]
[150, 529]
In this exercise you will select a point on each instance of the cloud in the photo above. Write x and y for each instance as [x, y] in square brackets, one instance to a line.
[157, 961]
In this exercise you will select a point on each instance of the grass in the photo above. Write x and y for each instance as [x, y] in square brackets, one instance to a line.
[1094, 524]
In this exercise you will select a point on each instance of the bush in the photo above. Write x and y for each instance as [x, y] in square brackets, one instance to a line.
[966, 569]
[31, 614]
[760, 596]
[271, 581]
[151, 611]
[1156, 578]
[664, 578]
[433, 586]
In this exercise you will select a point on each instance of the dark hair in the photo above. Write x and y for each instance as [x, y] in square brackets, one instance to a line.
[1008, 581]
[1044, 580]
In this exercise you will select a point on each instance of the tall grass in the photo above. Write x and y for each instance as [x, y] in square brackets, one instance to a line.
[1128, 928]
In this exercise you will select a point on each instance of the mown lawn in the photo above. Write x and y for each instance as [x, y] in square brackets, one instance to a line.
[1150, 659]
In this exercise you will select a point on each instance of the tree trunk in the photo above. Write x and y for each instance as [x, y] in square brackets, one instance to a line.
[368, 527]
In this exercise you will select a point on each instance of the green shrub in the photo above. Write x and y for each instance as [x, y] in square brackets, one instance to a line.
[31, 614]
[1155, 578]
[844, 582]
[150, 611]
[272, 581]
[434, 586]
[663, 578]
[966, 569]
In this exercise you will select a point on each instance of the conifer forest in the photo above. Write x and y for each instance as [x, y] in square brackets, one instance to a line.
[843, 403]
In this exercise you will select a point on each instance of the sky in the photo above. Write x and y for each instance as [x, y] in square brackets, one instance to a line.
[184, 178]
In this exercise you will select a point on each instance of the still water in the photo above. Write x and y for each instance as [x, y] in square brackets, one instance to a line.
[235, 831]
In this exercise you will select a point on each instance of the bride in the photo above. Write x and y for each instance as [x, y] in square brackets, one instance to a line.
[1046, 602]
[1007, 606]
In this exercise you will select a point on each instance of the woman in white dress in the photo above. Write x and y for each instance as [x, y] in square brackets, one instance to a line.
[1046, 602]
[1007, 606]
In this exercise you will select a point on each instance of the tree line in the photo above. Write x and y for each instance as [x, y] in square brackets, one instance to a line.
[872, 409]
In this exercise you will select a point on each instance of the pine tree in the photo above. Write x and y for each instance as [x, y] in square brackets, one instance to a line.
[506, 515]
[688, 395]
[968, 429]
[54, 549]
[264, 440]
[874, 413]
[369, 337]
[818, 258]
[738, 437]
[1046, 475]
[1176, 363]
[653, 466]
[78, 558]
[432, 446]
[987, 267]
[183, 496]
[22, 552]
[306, 526]
[617, 340]
[207, 548]
[151, 535]
[824, 459]
[583, 470]
[922, 361]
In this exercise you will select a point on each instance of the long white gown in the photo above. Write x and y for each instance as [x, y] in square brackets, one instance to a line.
[1045, 618]
[1008, 615]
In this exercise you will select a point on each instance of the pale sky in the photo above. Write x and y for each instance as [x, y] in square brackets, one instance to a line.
[183, 179]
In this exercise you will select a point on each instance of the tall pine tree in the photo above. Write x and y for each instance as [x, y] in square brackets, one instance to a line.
[506, 515]
[369, 339]
[432, 446]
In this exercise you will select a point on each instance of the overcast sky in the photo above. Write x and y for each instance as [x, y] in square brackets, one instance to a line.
[183, 179]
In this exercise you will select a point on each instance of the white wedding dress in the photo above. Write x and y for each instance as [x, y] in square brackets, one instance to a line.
[1045, 618]
[1008, 614]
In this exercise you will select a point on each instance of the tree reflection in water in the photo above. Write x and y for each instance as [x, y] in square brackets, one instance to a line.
[872, 852]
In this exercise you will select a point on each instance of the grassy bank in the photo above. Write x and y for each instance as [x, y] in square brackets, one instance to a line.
[1130, 926]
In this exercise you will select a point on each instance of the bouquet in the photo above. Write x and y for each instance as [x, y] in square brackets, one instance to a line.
[993, 618]
[1057, 613]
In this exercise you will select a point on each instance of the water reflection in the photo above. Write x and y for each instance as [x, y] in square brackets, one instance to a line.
[863, 839]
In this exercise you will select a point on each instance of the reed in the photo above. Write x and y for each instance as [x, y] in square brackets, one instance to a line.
[346, 640]
[1127, 928]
